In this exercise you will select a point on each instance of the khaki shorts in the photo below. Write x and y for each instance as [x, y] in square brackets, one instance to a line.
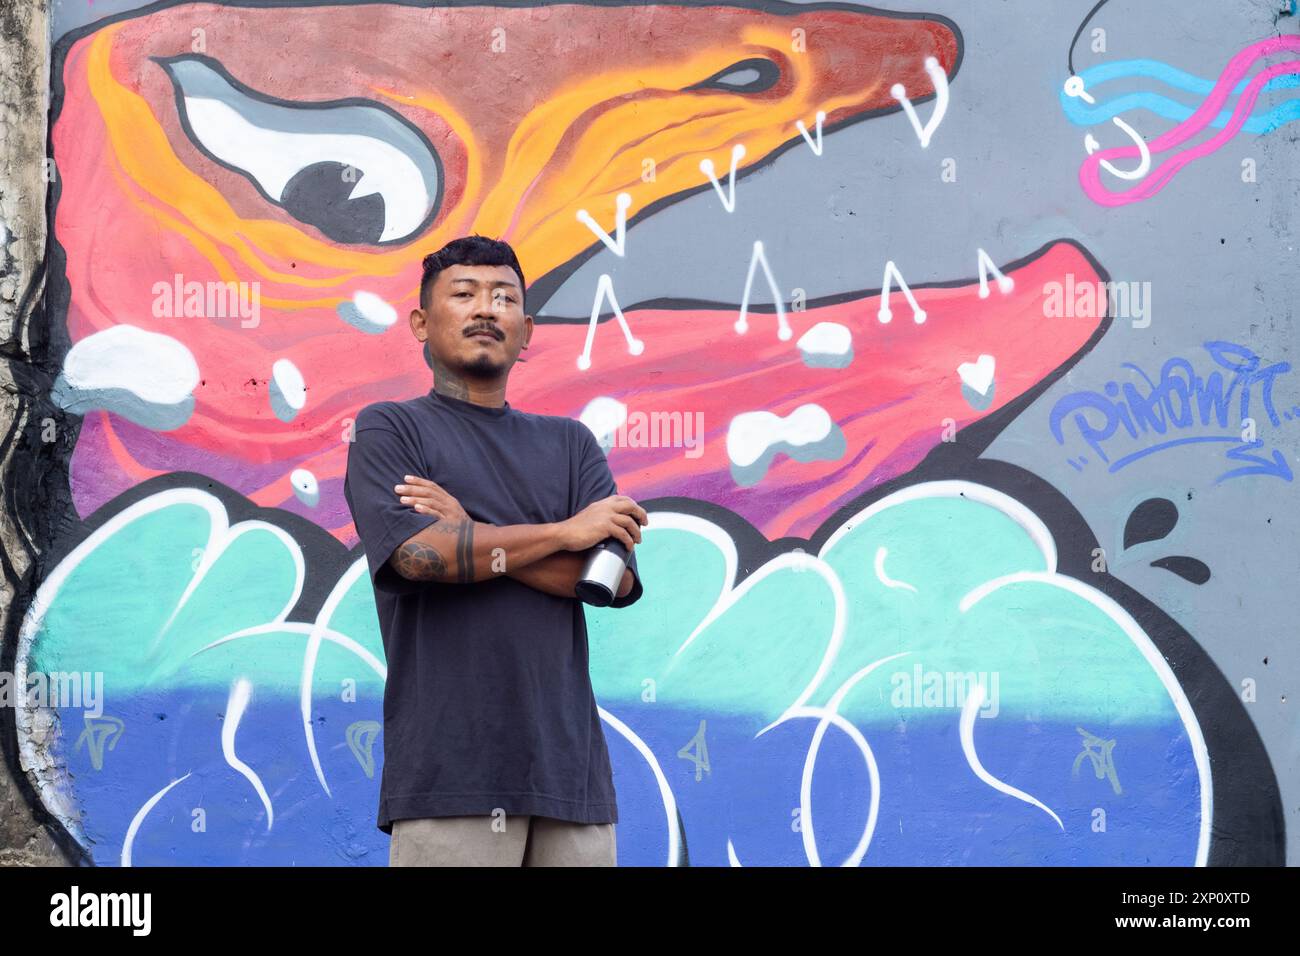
[501, 841]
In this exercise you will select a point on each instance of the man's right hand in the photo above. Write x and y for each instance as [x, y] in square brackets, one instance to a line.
[617, 516]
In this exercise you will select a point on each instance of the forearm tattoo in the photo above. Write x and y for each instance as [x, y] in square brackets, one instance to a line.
[465, 550]
[419, 561]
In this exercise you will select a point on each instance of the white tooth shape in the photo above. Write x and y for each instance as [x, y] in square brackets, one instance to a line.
[146, 377]
[827, 345]
[985, 264]
[757, 257]
[368, 312]
[305, 486]
[604, 291]
[622, 202]
[750, 434]
[978, 374]
[604, 416]
[815, 146]
[706, 167]
[288, 390]
[885, 313]
[156, 368]
[940, 81]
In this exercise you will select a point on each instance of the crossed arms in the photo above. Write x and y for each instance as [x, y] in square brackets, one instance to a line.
[548, 557]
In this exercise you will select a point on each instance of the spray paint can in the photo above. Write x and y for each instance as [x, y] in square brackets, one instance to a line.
[603, 573]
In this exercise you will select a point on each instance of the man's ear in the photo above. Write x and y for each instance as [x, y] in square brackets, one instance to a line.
[528, 329]
[419, 325]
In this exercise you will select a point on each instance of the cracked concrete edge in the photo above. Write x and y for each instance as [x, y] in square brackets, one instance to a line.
[28, 834]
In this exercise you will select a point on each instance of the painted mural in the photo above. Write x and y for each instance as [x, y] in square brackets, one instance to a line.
[863, 641]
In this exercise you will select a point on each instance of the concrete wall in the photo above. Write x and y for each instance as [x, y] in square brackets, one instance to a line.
[28, 835]
[964, 414]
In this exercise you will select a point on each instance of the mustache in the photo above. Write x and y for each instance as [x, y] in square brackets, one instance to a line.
[491, 330]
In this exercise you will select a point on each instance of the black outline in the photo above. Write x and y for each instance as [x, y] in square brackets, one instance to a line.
[769, 74]
[1069, 57]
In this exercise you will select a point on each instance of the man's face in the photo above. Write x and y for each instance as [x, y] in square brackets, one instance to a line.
[474, 322]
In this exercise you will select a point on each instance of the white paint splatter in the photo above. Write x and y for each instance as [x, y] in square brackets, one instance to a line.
[603, 416]
[750, 434]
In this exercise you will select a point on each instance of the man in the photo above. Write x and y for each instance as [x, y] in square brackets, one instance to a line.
[475, 518]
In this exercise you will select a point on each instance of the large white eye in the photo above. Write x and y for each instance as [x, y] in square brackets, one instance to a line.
[354, 169]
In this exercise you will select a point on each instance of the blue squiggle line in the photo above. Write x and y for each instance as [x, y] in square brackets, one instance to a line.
[1129, 459]
[1082, 114]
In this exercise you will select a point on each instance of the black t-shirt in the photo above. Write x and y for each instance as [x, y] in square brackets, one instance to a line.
[488, 702]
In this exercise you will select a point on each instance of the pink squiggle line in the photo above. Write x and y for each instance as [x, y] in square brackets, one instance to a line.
[1090, 171]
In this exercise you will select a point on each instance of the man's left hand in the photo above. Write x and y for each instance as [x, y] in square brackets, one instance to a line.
[429, 498]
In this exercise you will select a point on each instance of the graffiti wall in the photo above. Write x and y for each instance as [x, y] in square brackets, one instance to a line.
[948, 346]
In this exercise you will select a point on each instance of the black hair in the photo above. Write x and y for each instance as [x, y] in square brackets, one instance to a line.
[472, 250]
